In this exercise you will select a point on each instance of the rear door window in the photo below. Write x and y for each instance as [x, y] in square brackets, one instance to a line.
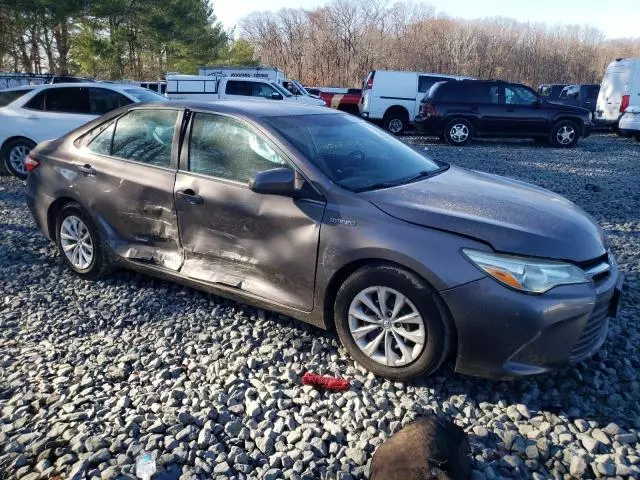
[237, 87]
[102, 100]
[67, 100]
[145, 136]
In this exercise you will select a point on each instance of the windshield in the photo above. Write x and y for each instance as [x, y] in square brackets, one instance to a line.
[300, 88]
[353, 153]
[144, 95]
[281, 89]
[9, 96]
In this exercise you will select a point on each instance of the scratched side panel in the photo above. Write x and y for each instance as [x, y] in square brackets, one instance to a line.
[135, 207]
[263, 244]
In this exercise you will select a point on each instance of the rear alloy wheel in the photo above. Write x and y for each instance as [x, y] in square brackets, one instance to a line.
[79, 243]
[391, 322]
[395, 122]
[458, 132]
[14, 155]
[564, 134]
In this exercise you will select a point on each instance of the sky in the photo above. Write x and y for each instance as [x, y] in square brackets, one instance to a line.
[617, 18]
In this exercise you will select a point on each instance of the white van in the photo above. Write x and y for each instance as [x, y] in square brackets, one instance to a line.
[207, 89]
[393, 98]
[620, 89]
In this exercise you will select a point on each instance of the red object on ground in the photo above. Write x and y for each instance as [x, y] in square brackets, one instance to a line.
[334, 384]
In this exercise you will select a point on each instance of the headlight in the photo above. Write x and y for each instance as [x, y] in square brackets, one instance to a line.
[527, 274]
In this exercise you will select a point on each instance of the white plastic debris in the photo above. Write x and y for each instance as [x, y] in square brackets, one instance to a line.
[145, 465]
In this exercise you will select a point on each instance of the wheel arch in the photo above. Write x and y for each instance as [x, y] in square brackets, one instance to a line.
[577, 120]
[15, 137]
[346, 270]
[401, 109]
[52, 214]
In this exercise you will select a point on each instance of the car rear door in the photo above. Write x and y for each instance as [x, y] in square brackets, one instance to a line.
[125, 174]
[263, 245]
[55, 112]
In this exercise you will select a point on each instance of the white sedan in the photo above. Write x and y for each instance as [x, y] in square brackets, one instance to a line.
[630, 122]
[31, 114]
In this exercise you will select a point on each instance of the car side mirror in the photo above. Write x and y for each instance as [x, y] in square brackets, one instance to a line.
[276, 96]
[277, 181]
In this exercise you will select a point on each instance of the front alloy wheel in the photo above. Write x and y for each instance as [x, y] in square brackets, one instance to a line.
[392, 322]
[564, 134]
[386, 326]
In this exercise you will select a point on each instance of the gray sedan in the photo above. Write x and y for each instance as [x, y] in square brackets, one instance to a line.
[321, 216]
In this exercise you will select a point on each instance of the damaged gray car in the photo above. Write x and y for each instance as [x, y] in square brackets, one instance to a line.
[321, 216]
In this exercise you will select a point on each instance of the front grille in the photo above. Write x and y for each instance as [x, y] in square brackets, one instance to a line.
[594, 332]
[599, 268]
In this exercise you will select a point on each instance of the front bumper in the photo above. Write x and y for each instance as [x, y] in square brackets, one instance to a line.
[504, 334]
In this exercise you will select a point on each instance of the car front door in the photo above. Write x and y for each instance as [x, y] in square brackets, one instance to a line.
[264, 245]
[125, 171]
[56, 111]
[523, 114]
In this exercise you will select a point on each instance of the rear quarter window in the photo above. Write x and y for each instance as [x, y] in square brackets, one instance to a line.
[11, 96]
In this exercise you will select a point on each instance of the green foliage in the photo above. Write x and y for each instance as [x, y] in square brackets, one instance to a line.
[238, 53]
[114, 39]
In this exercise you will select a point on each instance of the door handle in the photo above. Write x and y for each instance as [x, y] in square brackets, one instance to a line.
[190, 197]
[87, 169]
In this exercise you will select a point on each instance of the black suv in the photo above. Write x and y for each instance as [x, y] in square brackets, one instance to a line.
[458, 111]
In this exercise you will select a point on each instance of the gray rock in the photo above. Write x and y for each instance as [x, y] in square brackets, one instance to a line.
[356, 455]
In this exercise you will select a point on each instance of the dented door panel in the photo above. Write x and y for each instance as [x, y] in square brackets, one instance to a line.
[263, 244]
[134, 205]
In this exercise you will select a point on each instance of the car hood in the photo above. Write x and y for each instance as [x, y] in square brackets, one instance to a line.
[307, 100]
[512, 216]
[568, 108]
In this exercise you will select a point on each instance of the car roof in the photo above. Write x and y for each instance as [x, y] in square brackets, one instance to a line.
[253, 108]
[18, 88]
[46, 86]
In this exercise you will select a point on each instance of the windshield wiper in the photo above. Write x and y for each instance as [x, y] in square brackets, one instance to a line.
[421, 175]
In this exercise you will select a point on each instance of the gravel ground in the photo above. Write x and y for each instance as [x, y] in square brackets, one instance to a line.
[91, 374]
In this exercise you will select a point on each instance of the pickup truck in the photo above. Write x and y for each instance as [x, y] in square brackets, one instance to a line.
[206, 89]
[344, 99]
[585, 96]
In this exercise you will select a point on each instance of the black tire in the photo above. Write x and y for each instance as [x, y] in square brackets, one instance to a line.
[420, 294]
[556, 132]
[396, 122]
[12, 147]
[99, 264]
[458, 132]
